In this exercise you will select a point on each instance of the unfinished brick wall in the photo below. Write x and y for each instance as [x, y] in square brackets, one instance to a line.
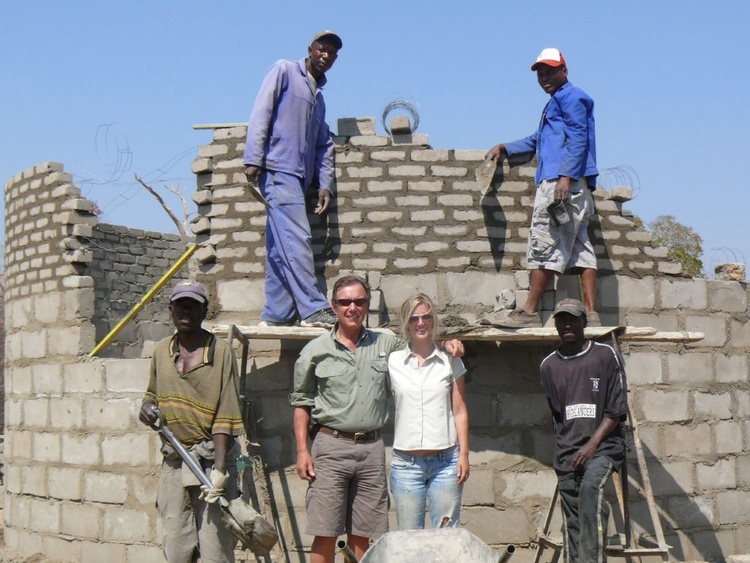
[79, 475]
[81, 471]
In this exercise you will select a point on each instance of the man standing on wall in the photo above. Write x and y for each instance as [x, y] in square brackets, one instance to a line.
[565, 146]
[586, 391]
[194, 383]
[340, 386]
[288, 144]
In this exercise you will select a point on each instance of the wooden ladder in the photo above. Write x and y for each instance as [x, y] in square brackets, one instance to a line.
[257, 488]
[627, 549]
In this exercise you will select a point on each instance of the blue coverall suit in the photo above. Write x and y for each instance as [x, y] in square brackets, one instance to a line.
[288, 138]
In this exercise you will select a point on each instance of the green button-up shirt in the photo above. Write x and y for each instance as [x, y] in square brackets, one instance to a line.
[346, 390]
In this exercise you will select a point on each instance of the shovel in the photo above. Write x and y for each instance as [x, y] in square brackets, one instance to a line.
[253, 531]
[484, 174]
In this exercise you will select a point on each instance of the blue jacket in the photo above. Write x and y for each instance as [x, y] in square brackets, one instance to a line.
[565, 142]
[287, 130]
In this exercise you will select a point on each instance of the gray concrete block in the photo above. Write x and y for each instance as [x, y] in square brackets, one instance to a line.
[728, 437]
[66, 413]
[713, 405]
[690, 368]
[108, 488]
[65, 483]
[81, 450]
[727, 296]
[662, 406]
[719, 475]
[714, 329]
[355, 126]
[131, 449]
[672, 478]
[46, 447]
[733, 507]
[45, 516]
[241, 295]
[93, 552]
[692, 512]
[109, 414]
[472, 288]
[643, 367]
[688, 442]
[683, 294]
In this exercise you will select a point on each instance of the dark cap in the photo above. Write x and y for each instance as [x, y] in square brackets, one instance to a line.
[330, 35]
[191, 289]
[572, 306]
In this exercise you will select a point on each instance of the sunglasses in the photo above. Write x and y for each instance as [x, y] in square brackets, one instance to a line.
[348, 302]
[426, 318]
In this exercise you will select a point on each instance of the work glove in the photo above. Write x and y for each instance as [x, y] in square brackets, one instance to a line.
[218, 483]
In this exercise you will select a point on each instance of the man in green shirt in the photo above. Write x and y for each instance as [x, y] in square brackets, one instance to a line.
[195, 385]
[340, 392]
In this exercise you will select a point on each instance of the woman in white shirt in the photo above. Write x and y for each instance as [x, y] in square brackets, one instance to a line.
[431, 440]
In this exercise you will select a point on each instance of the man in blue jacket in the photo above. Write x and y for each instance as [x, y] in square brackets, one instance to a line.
[288, 145]
[565, 147]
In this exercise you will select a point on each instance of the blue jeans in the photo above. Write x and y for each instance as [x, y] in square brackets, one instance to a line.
[417, 478]
[291, 286]
[585, 512]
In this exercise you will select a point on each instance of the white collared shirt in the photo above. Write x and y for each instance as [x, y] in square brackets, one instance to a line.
[424, 416]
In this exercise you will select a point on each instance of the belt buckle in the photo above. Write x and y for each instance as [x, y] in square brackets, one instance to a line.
[360, 436]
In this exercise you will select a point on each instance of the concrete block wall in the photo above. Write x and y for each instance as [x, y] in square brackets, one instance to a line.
[82, 471]
[402, 211]
[125, 265]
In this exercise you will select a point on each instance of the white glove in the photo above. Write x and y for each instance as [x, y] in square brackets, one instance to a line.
[218, 483]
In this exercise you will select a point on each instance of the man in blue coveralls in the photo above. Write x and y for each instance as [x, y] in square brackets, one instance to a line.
[288, 145]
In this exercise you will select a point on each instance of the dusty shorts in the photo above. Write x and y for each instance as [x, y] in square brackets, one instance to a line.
[558, 248]
[349, 493]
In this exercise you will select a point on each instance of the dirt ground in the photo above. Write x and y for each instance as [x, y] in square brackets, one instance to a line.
[7, 556]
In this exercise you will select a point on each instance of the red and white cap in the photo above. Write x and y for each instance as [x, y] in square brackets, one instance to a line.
[549, 57]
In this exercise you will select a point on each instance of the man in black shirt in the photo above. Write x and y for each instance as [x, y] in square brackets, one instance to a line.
[586, 391]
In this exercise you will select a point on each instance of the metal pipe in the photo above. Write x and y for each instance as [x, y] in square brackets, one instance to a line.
[346, 551]
[510, 549]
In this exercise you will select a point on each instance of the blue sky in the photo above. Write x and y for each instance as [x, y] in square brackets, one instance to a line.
[113, 88]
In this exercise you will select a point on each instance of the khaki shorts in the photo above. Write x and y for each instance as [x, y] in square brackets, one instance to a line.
[559, 248]
[349, 493]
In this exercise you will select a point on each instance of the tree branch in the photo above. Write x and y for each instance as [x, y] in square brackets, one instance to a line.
[180, 227]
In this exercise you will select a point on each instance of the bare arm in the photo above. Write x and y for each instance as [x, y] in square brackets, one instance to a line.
[588, 450]
[221, 446]
[461, 417]
[305, 468]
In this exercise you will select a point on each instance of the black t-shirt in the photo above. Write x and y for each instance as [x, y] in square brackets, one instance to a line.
[581, 391]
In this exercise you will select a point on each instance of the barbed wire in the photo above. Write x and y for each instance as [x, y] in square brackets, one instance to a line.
[410, 107]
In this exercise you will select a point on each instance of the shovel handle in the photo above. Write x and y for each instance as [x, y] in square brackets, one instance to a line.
[164, 429]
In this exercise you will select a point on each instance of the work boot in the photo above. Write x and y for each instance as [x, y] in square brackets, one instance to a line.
[592, 319]
[323, 318]
[519, 319]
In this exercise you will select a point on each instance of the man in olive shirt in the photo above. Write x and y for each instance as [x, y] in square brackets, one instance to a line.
[340, 385]
[193, 380]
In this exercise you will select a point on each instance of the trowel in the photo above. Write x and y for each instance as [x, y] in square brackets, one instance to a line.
[484, 174]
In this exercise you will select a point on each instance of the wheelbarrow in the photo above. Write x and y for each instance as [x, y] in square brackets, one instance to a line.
[442, 545]
[241, 519]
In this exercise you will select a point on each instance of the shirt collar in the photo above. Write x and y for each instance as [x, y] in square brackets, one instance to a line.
[436, 353]
[209, 348]
[302, 67]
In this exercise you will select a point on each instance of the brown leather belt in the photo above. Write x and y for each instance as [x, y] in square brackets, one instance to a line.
[353, 436]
